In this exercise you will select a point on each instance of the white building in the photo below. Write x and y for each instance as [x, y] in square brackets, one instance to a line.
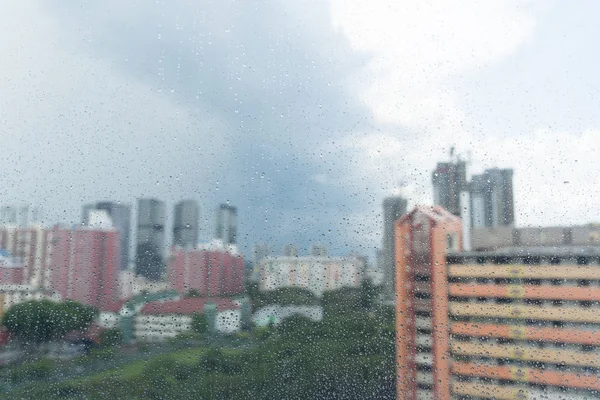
[317, 274]
[15, 294]
[275, 314]
[158, 321]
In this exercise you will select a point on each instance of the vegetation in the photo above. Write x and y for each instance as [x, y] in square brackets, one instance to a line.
[199, 323]
[36, 322]
[111, 337]
[346, 356]
[281, 296]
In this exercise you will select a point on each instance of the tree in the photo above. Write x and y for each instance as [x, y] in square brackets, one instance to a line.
[38, 322]
[199, 323]
[111, 337]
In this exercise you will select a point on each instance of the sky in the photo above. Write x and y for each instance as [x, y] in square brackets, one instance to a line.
[304, 115]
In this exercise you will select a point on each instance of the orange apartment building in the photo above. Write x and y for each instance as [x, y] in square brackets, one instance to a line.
[516, 323]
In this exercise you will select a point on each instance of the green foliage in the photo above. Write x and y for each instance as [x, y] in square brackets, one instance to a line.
[346, 356]
[111, 337]
[33, 370]
[41, 321]
[283, 296]
[199, 323]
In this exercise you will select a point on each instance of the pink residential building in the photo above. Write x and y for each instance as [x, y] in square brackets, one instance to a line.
[84, 264]
[213, 270]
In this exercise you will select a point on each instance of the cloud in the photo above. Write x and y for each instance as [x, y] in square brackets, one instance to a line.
[305, 117]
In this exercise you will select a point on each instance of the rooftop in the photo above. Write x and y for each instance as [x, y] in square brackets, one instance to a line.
[533, 251]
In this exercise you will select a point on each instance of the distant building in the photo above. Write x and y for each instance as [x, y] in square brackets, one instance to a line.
[317, 274]
[211, 270]
[29, 244]
[317, 250]
[150, 238]
[492, 203]
[489, 239]
[290, 250]
[449, 181]
[185, 224]
[20, 216]
[393, 208]
[227, 224]
[84, 264]
[120, 215]
[12, 269]
[12, 294]
[161, 320]
[259, 251]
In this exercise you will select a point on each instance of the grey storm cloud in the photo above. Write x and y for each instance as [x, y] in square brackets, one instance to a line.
[277, 79]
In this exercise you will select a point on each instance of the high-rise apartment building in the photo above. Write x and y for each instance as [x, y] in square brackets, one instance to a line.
[492, 203]
[150, 238]
[449, 181]
[423, 238]
[212, 271]
[524, 323]
[83, 264]
[120, 215]
[515, 323]
[185, 224]
[227, 224]
[393, 208]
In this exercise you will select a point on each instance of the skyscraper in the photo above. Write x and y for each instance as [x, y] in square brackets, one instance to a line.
[227, 224]
[449, 180]
[393, 208]
[185, 224]
[120, 214]
[150, 238]
[492, 203]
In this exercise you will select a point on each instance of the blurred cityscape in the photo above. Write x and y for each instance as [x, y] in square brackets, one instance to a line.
[481, 304]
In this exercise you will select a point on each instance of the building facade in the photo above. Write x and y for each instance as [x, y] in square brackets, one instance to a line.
[158, 321]
[29, 244]
[516, 323]
[212, 270]
[393, 208]
[19, 216]
[525, 324]
[423, 238]
[120, 215]
[84, 264]
[150, 241]
[185, 224]
[227, 224]
[317, 274]
[486, 239]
